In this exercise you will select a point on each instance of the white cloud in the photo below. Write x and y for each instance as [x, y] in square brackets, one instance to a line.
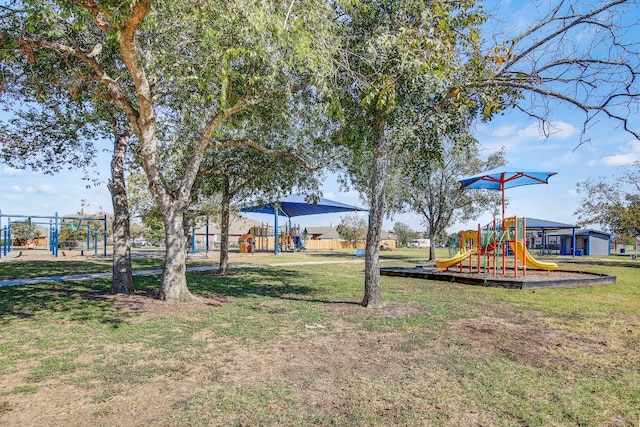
[16, 188]
[561, 130]
[572, 192]
[621, 159]
[532, 131]
[634, 146]
[9, 171]
[505, 131]
[630, 153]
[42, 188]
[554, 130]
[591, 163]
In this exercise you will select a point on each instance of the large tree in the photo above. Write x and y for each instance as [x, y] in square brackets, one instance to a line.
[404, 234]
[408, 61]
[400, 59]
[184, 67]
[612, 202]
[252, 175]
[58, 123]
[352, 228]
[429, 184]
[290, 159]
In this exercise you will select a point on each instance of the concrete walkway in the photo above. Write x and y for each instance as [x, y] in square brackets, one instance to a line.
[55, 279]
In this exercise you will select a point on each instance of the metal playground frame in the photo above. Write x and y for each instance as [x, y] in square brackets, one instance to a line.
[55, 224]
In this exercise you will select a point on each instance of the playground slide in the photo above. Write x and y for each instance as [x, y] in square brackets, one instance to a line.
[460, 256]
[531, 261]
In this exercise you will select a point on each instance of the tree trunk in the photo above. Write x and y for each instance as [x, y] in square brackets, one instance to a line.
[122, 281]
[173, 285]
[432, 246]
[224, 229]
[372, 288]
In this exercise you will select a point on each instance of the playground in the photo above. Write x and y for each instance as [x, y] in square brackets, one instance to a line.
[263, 238]
[53, 235]
[496, 255]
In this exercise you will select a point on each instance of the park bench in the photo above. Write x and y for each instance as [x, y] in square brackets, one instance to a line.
[358, 253]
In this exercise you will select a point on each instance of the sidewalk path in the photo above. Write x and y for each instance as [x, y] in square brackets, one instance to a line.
[54, 279]
[35, 280]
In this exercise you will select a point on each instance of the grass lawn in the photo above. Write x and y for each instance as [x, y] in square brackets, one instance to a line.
[282, 342]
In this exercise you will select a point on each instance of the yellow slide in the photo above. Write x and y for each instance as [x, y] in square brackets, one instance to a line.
[531, 261]
[460, 256]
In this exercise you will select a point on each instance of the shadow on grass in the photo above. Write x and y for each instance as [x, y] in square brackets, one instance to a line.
[267, 282]
[77, 301]
[37, 268]
[90, 300]
[331, 255]
[41, 268]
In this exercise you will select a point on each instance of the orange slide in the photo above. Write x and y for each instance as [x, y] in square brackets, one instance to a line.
[523, 254]
[460, 256]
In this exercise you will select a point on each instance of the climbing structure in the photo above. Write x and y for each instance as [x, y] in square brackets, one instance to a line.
[487, 250]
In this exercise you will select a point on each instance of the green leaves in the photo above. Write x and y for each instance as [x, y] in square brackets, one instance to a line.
[613, 202]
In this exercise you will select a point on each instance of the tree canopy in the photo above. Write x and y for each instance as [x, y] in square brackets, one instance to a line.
[185, 75]
[404, 233]
[414, 67]
[352, 228]
[612, 202]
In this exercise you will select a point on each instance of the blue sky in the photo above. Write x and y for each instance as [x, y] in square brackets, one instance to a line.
[32, 193]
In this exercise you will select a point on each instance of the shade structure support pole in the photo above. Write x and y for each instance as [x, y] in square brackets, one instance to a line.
[275, 241]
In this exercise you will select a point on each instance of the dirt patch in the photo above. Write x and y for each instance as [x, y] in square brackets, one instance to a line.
[147, 303]
[45, 255]
[391, 309]
[530, 342]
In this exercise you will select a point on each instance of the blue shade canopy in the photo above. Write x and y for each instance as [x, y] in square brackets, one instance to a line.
[497, 179]
[295, 205]
[502, 179]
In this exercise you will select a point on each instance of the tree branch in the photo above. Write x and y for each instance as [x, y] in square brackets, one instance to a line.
[264, 150]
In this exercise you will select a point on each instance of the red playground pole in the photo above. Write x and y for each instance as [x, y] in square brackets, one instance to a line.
[524, 243]
[515, 246]
[478, 248]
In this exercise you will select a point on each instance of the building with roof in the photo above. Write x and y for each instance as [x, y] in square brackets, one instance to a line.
[587, 242]
[555, 238]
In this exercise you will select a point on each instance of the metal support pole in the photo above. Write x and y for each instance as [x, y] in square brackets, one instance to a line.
[105, 235]
[206, 245]
[56, 231]
[51, 236]
[275, 251]
[9, 236]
